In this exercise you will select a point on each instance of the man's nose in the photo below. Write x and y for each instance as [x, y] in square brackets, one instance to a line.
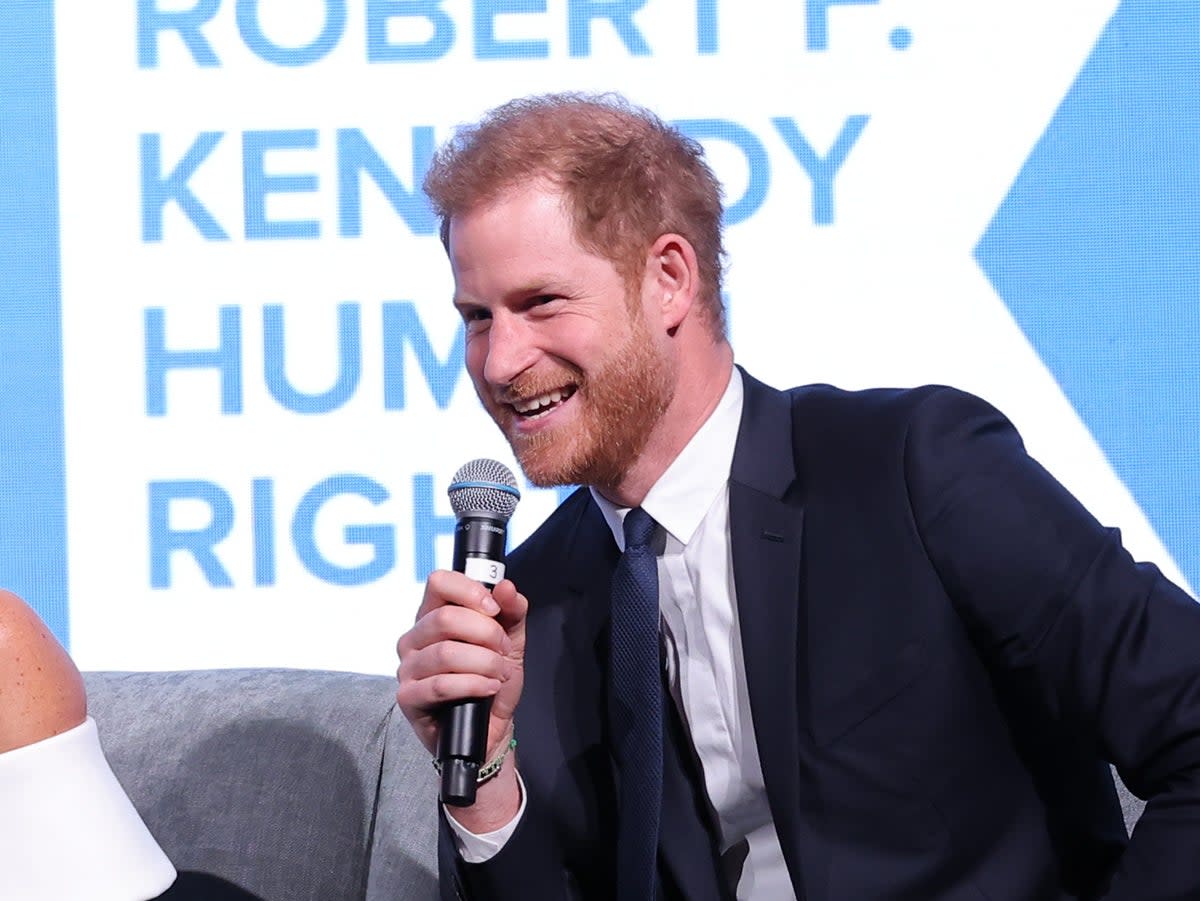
[511, 349]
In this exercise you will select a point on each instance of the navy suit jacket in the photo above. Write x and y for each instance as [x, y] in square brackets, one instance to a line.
[943, 649]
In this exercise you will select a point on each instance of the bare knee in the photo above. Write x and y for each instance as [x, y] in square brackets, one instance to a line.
[41, 691]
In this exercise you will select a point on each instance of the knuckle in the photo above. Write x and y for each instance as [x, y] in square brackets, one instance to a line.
[443, 657]
[441, 688]
[497, 667]
[404, 671]
[436, 583]
[404, 697]
[442, 619]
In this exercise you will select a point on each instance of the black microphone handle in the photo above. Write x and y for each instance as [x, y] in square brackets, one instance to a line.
[479, 541]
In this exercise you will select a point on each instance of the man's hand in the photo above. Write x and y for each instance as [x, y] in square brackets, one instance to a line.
[467, 642]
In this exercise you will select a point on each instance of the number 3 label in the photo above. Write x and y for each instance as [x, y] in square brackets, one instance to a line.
[483, 570]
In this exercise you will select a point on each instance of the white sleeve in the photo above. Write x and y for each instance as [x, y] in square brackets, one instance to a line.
[481, 848]
[67, 828]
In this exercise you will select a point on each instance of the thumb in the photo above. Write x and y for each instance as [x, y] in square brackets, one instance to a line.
[513, 605]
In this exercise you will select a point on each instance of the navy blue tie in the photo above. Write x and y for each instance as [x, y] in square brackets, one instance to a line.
[635, 708]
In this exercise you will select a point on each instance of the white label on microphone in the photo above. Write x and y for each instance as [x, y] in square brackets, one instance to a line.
[483, 570]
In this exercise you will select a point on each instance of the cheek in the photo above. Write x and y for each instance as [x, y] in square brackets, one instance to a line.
[475, 362]
[583, 344]
[476, 358]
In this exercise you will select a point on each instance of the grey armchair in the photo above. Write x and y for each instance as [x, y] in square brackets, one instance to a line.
[295, 785]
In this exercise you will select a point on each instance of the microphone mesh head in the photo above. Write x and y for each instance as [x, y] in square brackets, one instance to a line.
[484, 486]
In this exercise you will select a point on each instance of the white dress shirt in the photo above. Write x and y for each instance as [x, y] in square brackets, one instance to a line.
[705, 667]
[67, 828]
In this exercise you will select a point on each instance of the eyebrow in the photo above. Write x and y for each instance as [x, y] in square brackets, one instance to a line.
[534, 287]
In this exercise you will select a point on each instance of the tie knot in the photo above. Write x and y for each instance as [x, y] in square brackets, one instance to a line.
[639, 528]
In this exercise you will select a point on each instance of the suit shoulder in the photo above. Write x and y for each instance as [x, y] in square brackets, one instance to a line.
[880, 411]
[872, 402]
[554, 534]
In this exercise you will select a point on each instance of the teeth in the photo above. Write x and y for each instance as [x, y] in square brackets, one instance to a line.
[536, 403]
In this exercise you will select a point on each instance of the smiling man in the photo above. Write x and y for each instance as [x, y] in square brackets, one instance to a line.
[574, 361]
[889, 656]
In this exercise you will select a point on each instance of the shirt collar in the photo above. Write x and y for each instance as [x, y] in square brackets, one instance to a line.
[683, 494]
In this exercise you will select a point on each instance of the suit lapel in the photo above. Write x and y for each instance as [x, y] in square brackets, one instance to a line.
[765, 524]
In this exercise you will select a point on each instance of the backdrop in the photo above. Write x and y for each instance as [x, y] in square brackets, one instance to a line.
[231, 375]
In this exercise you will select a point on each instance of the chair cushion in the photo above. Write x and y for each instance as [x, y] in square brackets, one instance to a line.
[270, 778]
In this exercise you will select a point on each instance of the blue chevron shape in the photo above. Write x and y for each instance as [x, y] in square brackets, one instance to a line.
[1096, 252]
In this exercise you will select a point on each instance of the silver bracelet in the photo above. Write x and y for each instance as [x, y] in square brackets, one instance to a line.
[492, 767]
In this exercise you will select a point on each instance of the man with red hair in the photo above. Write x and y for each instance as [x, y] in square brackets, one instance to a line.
[897, 657]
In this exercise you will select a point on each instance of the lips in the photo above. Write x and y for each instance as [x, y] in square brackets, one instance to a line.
[532, 407]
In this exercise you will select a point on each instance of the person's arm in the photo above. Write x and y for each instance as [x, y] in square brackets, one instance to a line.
[470, 643]
[67, 829]
[1113, 646]
[467, 642]
[41, 691]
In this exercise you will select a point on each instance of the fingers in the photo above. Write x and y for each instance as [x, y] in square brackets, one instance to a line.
[467, 642]
[445, 587]
[454, 657]
[449, 670]
[461, 609]
[457, 648]
[455, 624]
[513, 605]
[426, 695]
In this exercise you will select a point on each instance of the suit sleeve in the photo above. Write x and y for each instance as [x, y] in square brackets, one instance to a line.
[1113, 647]
[529, 865]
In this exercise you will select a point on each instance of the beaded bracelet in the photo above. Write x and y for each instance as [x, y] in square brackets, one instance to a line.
[492, 767]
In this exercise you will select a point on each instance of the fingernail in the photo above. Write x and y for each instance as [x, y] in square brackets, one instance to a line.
[490, 605]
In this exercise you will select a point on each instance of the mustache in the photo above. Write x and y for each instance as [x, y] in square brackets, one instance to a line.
[530, 385]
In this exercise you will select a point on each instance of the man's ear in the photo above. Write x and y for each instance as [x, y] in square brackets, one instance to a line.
[673, 274]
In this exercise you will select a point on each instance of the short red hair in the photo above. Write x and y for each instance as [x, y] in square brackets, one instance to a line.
[627, 176]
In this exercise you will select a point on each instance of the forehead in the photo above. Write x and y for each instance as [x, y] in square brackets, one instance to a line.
[528, 212]
[526, 227]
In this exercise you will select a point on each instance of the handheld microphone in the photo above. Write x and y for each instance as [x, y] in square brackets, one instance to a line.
[483, 494]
